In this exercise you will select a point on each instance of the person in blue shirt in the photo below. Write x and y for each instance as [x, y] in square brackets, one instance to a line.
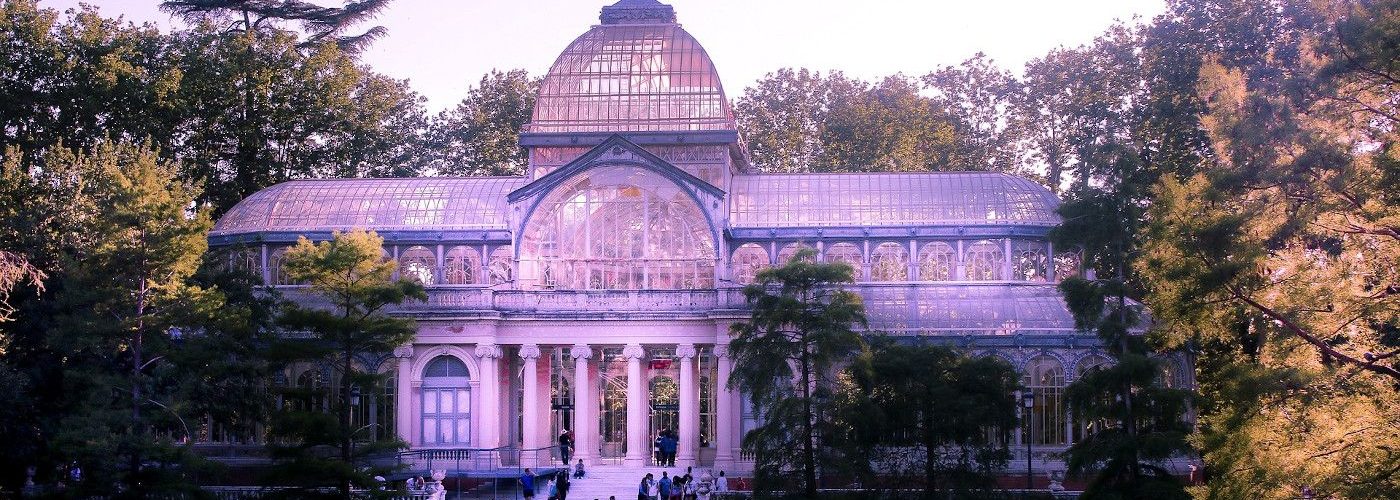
[527, 484]
[665, 485]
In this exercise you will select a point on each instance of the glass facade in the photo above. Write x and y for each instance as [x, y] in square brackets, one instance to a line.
[618, 228]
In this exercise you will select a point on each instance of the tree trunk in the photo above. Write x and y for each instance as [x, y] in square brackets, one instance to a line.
[347, 436]
[809, 461]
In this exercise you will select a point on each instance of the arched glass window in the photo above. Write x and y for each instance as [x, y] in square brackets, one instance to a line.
[461, 265]
[983, 260]
[502, 267]
[789, 251]
[1067, 265]
[1170, 375]
[937, 261]
[310, 393]
[275, 272]
[618, 228]
[1084, 426]
[889, 262]
[418, 263]
[1028, 260]
[446, 403]
[844, 252]
[748, 260]
[246, 260]
[1045, 378]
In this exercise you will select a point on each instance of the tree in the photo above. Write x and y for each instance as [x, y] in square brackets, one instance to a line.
[980, 96]
[929, 409]
[349, 274]
[322, 24]
[131, 288]
[782, 117]
[801, 326]
[481, 136]
[1279, 256]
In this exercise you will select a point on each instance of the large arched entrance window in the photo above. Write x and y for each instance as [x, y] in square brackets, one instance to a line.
[446, 403]
[618, 228]
[749, 259]
[1045, 378]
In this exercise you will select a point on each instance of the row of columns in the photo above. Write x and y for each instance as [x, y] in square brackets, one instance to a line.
[585, 420]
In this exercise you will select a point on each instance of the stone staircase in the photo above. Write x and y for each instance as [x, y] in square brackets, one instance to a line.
[618, 480]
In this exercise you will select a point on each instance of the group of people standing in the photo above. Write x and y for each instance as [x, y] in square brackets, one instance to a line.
[685, 487]
[664, 448]
[556, 485]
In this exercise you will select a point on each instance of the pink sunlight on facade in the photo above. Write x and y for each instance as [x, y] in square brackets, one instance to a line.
[596, 293]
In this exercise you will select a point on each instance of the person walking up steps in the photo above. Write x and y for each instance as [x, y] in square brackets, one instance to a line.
[566, 447]
[527, 485]
[664, 488]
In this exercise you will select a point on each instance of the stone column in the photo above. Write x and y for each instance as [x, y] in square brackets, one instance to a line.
[724, 409]
[530, 410]
[690, 406]
[490, 411]
[584, 431]
[403, 395]
[638, 443]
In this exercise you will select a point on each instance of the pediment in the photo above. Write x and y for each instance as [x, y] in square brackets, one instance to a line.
[616, 150]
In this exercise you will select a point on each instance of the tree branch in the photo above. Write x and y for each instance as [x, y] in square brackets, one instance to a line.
[1307, 336]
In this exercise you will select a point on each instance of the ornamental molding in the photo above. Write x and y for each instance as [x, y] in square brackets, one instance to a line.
[530, 351]
[686, 351]
[581, 351]
[403, 351]
[633, 351]
[721, 350]
[491, 351]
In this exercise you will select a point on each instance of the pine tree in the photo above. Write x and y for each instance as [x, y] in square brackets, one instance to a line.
[354, 286]
[801, 325]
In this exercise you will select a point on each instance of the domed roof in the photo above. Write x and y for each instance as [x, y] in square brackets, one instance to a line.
[638, 71]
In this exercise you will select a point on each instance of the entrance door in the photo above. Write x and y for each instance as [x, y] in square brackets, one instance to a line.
[665, 406]
[612, 431]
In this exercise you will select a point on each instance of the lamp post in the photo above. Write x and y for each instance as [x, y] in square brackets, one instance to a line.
[1028, 401]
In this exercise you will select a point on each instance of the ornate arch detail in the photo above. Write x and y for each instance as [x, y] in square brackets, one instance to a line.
[1084, 355]
[1028, 354]
[426, 354]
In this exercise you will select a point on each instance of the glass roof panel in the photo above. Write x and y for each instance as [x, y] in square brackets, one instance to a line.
[890, 199]
[429, 203]
[632, 78]
[967, 308]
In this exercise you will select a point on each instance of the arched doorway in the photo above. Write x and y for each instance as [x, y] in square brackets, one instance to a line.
[445, 409]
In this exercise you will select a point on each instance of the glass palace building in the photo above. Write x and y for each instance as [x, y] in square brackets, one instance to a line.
[596, 293]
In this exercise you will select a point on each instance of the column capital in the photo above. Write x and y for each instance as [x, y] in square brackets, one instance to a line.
[685, 351]
[404, 351]
[530, 351]
[721, 350]
[581, 351]
[633, 351]
[488, 351]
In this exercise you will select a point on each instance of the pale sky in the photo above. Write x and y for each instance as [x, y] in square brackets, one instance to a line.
[442, 47]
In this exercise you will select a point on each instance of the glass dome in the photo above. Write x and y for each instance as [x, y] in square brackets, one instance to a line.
[885, 199]
[617, 227]
[636, 72]
[429, 203]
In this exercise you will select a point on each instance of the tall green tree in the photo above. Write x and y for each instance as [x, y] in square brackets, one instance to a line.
[1279, 258]
[321, 24]
[932, 409]
[785, 356]
[356, 285]
[981, 96]
[132, 287]
[481, 135]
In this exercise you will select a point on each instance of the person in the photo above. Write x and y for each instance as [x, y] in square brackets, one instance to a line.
[563, 485]
[644, 487]
[527, 484]
[665, 486]
[721, 484]
[668, 449]
[566, 446]
[706, 486]
[578, 469]
[552, 488]
[652, 492]
[691, 491]
[656, 450]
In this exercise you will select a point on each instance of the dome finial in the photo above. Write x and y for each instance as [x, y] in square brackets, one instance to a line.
[638, 12]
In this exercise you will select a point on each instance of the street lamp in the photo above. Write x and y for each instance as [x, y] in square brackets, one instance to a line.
[1028, 400]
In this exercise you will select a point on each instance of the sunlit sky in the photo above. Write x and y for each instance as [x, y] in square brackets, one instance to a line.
[444, 46]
